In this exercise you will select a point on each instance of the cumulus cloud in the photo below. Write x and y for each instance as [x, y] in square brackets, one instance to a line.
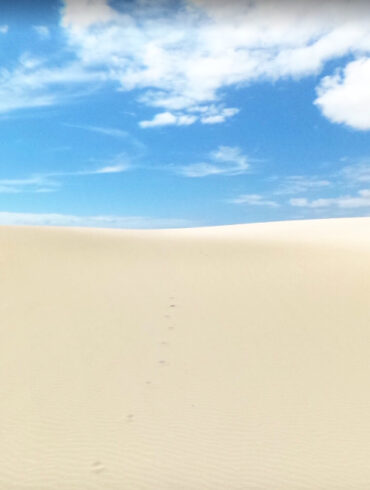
[78, 14]
[100, 221]
[183, 57]
[179, 57]
[254, 200]
[226, 160]
[360, 200]
[345, 96]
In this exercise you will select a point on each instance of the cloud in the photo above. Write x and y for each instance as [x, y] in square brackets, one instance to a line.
[117, 165]
[254, 200]
[206, 115]
[113, 132]
[345, 96]
[226, 160]
[361, 200]
[99, 221]
[357, 173]
[4, 29]
[36, 184]
[84, 13]
[42, 31]
[180, 56]
[220, 116]
[184, 57]
[51, 181]
[109, 169]
[169, 119]
[34, 84]
[294, 184]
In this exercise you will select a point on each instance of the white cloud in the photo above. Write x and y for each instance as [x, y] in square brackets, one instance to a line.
[357, 173]
[110, 169]
[4, 29]
[37, 183]
[42, 31]
[51, 181]
[294, 184]
[361, 200]
[32, 84]
[113, 132]
[345, 96]
[100, 221]
[182, 58]
[116, 133]
[162, 119]
[169, 119]
[254, 200]
[219, 116]
[84, 13]
[226, 160]
[208, 115]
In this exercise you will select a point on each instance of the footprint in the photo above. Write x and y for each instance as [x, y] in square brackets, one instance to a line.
[97, 467]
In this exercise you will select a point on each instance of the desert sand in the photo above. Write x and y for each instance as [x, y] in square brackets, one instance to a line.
[225, 358]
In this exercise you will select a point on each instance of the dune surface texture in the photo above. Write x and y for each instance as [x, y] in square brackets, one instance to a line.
[226, 358]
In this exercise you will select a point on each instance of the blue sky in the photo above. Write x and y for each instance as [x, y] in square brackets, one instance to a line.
[167, 113]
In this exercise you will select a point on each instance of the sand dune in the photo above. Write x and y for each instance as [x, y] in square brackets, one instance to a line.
[228, 358]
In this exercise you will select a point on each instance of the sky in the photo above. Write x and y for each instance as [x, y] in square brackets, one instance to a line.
[183, 113]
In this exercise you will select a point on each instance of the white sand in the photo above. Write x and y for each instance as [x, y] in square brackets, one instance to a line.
[257, 378]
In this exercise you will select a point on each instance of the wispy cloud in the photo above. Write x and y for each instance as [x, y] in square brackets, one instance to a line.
[108, 131]
[360, 200]
[109, 169]
[4, 29]
[297, 184]
[37, 184]
[357, 173]
[52, 181]
[254, 200]
[114, 132]
[99, 221]
[226, 160]
[35, 83]
[42, 31]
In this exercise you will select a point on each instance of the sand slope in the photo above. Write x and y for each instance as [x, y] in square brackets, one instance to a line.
[231, 358]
